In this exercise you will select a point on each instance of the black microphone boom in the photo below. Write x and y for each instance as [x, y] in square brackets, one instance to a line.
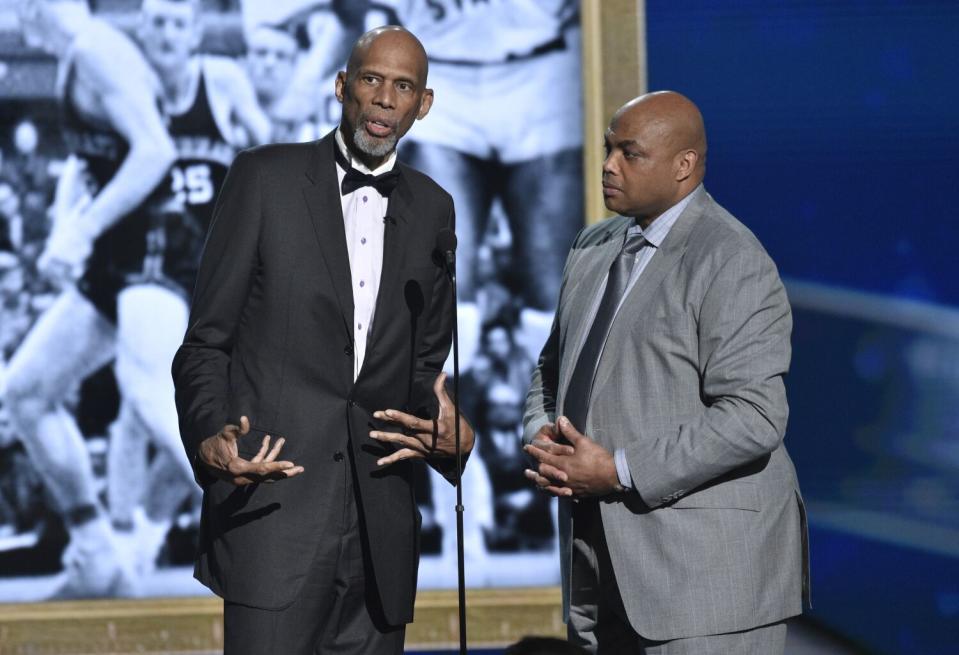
[446, 244]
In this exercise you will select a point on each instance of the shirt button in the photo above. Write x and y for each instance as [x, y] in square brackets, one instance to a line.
[359, 326]
[363, 240]
[362, 283]
[365, 198]
[337, 456]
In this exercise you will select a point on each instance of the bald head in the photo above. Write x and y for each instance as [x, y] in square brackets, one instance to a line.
[393, 38]
[656, 154]
[383, 90]
[672, 118]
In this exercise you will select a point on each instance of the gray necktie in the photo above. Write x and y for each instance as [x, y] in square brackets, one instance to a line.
[581, 383]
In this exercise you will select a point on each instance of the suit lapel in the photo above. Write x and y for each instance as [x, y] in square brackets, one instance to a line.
[396, 229]
[670, 252]
[594, 265]
[326, 211]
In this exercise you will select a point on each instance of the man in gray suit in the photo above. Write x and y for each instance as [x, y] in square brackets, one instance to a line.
[657, 411]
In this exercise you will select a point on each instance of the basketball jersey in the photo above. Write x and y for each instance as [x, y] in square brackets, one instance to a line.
[99, 147]
[204, 155]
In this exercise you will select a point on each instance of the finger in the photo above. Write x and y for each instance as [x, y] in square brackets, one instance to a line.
[547, 485]
[439, 390]
[244, 425]
[560, 492]
[541, 455]
[277, 446]
[230, 431]
[553, 447]
[282, 475]
[239, 466]
[408, 421]
[273, 476]
[264, 446]
[399, 455]
[270, 468]
[547, 431]
[568, 430]
[537, 478]
[553, 473]
[400, 439]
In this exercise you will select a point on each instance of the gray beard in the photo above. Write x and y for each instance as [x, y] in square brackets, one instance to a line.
[371, 146]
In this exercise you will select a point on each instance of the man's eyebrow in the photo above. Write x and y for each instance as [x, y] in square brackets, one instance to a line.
[621, 143]
[372, 70]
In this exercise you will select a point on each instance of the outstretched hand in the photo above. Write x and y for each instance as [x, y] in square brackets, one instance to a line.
[425, 438]
[220, 456]
[582, 469]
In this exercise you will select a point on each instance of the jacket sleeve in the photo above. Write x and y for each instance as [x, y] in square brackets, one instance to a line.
[743, 339]
[541, 398]
[201, 365]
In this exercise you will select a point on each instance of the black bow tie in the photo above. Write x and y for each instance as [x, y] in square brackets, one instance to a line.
[384, 183]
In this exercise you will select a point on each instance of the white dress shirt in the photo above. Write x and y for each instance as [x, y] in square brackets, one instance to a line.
[364, 211]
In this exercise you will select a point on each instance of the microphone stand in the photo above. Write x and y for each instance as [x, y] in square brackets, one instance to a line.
[460, 554]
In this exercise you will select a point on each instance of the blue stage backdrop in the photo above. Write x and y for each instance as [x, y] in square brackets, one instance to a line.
[834, 134]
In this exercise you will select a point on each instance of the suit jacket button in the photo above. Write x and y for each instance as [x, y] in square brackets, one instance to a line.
[351, 403]
[348, 351]
[337, 456]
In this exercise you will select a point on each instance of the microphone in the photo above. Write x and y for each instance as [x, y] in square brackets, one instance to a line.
[446, 245]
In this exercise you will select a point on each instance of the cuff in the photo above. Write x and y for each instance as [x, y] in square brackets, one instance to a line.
[622, 468]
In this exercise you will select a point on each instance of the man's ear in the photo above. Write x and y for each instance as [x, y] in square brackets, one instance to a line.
[685, 164]
[340, 85]
[425, 103]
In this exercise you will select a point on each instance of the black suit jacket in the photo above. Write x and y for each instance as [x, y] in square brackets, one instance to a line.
[270, 337]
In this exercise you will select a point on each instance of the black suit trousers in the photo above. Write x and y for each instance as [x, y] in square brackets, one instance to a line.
[337, 611]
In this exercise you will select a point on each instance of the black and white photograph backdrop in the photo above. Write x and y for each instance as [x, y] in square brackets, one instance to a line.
[107, 187]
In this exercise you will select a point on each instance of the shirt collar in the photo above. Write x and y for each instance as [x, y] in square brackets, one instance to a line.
[356, 163]
[656, 233]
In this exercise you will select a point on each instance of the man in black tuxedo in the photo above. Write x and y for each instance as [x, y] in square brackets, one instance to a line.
[320, 300]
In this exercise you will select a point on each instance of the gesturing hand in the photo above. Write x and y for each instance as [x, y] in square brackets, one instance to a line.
[425, 437]
[584, 468]
[220, 456]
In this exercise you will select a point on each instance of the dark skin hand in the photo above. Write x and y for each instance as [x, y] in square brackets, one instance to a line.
[220, 457]
[581, 469]
[425, 438]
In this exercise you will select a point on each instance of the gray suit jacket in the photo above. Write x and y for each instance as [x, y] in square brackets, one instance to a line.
[690, 384]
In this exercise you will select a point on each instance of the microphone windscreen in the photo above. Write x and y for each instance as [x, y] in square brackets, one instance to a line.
[446, 240]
